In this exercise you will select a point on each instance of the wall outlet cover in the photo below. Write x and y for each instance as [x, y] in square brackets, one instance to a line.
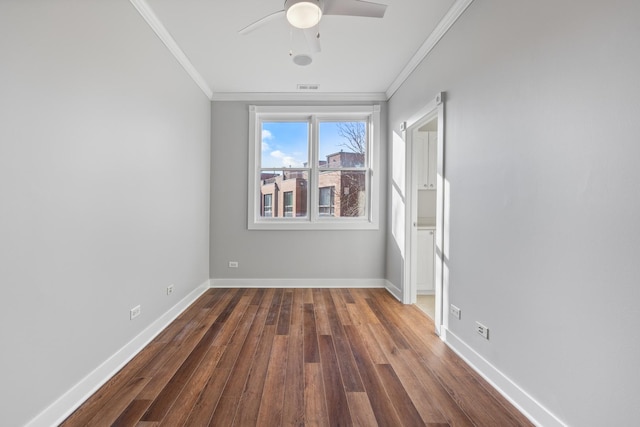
[135, 312]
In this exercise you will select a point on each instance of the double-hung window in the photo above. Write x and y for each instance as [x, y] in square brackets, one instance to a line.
[317, 165]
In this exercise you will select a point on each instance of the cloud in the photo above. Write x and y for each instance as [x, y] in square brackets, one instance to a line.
[266, 136]
[286, 160]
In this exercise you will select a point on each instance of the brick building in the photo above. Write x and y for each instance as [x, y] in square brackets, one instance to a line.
[340, 192]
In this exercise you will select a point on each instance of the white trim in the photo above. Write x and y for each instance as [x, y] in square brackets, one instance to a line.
[298, 283]
[531, 408]
[156, 25]
[393, 290]
[371, 113]
[425, 115]
[64, 406]
[447, 21]
[433, 109]
[299, 96]
[456, 10]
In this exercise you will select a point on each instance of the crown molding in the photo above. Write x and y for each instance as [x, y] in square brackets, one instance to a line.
[452, 15]
[456, 10]
[154, 22]
[299, 96]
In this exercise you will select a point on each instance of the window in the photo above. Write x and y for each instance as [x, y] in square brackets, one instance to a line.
[288, 204]
[267, 209]
[326, 204]
[318, 165]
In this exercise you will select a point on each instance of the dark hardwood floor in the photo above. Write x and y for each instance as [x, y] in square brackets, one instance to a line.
[297, 357]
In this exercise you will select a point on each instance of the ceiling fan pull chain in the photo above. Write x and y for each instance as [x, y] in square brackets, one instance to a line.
[290, 41]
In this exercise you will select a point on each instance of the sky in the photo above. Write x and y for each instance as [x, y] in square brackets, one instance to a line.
[285, 144]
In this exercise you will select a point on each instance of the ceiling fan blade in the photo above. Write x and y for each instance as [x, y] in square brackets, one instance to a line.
[260, 22]
[354, 8]
[313, 39]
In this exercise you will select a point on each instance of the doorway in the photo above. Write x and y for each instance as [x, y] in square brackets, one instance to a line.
[424, 264]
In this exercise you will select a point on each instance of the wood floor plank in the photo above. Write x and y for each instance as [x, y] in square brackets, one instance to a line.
[165, 399]
[311, 353]
[348, 367]
[320, 308]
[297, 357]
[226, 409]
[383, 316]
[284, 320]
[424, 398]
[335, 397]
[133, 413]
[315, 409]
[293, 408]
[249, 406]
[118, 404]
[341, 306]
[187, 399]
[272, 317]
[374, 344]
[406, 410]
[383, 408]
[297, 307]
[272, 401]
[439, 397]
[346, 295]
[360, 312]
[361, 412]
[238, 326]
[178, 352]
[89, 408]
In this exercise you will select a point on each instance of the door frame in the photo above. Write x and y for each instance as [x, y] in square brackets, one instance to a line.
[433, 110]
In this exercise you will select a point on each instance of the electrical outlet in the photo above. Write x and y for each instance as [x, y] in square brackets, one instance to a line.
[233, 264]
[455, 311]
[169, 289]
[482, 330]
[135, 312]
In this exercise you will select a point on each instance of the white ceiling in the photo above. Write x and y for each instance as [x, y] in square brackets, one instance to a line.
[360, 56]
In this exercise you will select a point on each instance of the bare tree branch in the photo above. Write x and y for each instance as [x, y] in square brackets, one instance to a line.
[355, 136]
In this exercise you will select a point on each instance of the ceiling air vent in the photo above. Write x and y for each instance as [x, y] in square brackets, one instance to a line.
[308, 87]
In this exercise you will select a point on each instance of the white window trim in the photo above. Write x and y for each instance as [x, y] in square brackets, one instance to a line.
[313, 221]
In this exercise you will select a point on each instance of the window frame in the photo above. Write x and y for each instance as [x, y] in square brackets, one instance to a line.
[314, 115]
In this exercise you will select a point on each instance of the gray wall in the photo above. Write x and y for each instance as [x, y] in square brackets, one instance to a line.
[541, 134]
[278, 254]
[104, 184]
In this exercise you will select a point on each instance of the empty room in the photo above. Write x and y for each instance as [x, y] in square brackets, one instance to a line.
[319, 212]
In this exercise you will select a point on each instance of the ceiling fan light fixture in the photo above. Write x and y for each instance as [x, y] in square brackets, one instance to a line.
[303, 13]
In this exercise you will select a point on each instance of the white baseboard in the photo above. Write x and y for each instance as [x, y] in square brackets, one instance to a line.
[531, 408]
[59, 410]
[393, 290]
[298, 283]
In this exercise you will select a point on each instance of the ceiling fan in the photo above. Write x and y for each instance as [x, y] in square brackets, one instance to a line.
[306, 15]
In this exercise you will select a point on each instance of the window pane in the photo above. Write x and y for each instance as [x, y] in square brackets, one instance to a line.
[326, 204]
[342, 144]
[285, 144]
[288, 204]
[267, 203]
[283, 193]
[342, 193]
